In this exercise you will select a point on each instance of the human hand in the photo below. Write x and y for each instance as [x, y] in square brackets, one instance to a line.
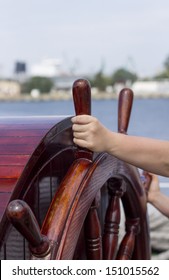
[151, 185]
[89, 133]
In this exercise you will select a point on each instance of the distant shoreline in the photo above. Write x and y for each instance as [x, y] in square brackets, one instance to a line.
[68, 96]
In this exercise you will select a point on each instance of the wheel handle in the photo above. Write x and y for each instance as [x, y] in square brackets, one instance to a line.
[23, 219]
[82, 103]
[124, 109]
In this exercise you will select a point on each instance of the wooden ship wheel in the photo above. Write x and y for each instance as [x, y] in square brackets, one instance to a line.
[58, 201]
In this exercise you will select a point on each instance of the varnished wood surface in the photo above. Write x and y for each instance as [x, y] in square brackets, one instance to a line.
[82, 97]
[88, 189]
[23, 219]
[19, 138]
[124, 109]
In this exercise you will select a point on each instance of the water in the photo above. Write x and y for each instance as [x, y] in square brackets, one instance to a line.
[149, 118]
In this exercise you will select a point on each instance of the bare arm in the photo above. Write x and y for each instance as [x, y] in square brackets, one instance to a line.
[148, 154]
[155, 197]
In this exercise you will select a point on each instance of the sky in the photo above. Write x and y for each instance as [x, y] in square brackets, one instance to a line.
[85, 35]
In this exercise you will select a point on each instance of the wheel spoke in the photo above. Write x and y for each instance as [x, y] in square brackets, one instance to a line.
[127, 245]
[112, 220]
[93, 232]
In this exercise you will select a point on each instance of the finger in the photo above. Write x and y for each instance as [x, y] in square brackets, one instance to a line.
[148, 179]
[155, 177]
[79, 135]
[79, 128]
[80, 142]
[82, 119]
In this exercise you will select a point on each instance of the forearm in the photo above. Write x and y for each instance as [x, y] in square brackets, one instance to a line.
[161, 202]
[148, 154]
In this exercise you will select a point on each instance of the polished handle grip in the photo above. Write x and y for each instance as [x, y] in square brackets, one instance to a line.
[124, 109]
[82, 103]
[82, 97]
[23, 219]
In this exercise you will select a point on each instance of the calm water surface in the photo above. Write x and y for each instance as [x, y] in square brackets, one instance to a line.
[150, 117]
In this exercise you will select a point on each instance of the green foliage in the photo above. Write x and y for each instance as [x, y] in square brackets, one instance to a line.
[165, 73]
[162, 75]
[44, 84]
[122, 76]
[100, 81]
[166, 64]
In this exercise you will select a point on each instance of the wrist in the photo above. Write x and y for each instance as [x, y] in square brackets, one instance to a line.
[112, 142]
[153, 197]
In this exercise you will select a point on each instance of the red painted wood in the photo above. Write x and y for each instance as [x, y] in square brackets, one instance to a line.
[19, 138]
[11, 171]
[6, 160]
[4, 199]
[15, 120]
[6, 184]
[14, 149]
[28, 126]
[22, 133]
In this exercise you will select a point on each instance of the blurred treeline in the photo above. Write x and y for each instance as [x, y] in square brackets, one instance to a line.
[99, 80]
